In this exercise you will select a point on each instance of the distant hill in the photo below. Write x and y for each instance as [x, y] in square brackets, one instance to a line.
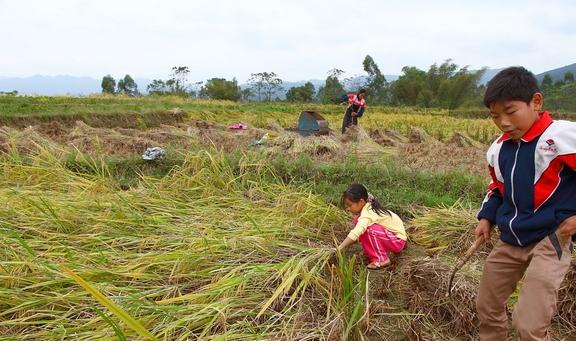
[58, 85]
[557, 74]
[488, 75]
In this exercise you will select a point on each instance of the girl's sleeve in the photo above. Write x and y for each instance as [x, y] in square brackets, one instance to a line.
[360, 228]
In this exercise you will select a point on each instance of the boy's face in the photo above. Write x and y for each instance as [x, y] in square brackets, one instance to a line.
[516, 117]
[354, 207]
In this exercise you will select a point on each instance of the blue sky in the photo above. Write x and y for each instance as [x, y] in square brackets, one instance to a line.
[296, 39]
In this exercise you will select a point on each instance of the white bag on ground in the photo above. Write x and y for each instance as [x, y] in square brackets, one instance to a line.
[154, 153]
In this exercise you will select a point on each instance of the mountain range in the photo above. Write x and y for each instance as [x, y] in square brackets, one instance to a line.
[81, 86]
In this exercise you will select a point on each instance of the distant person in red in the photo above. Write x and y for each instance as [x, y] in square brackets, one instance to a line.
[355, 109]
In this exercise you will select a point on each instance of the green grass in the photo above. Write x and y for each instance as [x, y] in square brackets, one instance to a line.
[401, 190]
[397, 188]
[63, 105]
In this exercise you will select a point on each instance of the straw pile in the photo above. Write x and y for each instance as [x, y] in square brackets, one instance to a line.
[419, 135]
[437, 157]
[358, 142]
[446, 230]
[22, 141]
[460, 139]
[424, 283]
[291, 144]
[387, 137]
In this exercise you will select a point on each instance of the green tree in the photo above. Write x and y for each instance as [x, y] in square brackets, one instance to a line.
[127, 86]
[546, 82]
[265, 83]
[376, 84]
[332, 89]
[457, 87]
[157, 87]
[562, 98]
[568, 77]
[408, 88]
[304, 93]
[445, 86]
[108, 85]
[246, 94]
[179, 82]
[220, 88]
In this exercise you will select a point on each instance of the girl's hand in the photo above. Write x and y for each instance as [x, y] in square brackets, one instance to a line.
[345, 244]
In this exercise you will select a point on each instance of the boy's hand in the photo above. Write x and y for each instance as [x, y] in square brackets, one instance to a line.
[483, 229]
[568, 227]
[354, 114]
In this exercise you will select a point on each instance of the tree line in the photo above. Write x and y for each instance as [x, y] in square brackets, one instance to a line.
[561, 94]
[441, 86]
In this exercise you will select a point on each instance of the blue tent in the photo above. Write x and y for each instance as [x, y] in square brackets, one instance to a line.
[311, 122]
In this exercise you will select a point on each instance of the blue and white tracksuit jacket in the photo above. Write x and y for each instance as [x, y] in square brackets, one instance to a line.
[533, 187]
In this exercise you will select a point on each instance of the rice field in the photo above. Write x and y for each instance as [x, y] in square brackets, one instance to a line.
[224, 240]
[437, 122]
[206, 252]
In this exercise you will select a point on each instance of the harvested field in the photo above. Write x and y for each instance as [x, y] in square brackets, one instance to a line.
[232, 236]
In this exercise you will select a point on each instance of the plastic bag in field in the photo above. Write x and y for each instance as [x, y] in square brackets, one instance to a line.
[155, 153]
[270, 136]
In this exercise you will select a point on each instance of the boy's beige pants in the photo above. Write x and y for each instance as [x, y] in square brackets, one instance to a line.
[543, 265]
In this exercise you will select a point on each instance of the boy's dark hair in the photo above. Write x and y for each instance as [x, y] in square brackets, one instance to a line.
[513, 83]
[361, 91]
[357, 191]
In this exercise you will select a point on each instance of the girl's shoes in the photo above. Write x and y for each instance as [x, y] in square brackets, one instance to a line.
[378, 265]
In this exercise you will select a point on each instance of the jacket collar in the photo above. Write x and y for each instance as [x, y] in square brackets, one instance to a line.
[366, 208]
[535, 130]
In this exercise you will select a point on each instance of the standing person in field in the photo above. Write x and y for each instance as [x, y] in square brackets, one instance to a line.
[378, 229]
[355, 109]
[532, 199]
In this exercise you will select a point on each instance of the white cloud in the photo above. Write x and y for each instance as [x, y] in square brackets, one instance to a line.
[296, 39]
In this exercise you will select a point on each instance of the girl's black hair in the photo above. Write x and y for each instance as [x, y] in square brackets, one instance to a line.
[357, 191]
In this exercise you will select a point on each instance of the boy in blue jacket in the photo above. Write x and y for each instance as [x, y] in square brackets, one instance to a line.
[532, 200]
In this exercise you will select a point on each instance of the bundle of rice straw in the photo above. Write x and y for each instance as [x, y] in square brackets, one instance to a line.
[446, 229]
[424, 286]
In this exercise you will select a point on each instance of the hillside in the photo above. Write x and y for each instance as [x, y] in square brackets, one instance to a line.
[557, 74]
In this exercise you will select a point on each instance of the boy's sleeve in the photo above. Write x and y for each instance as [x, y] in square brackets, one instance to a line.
[566, 142]
[567, 153]
[492, 200]
[361, 226]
